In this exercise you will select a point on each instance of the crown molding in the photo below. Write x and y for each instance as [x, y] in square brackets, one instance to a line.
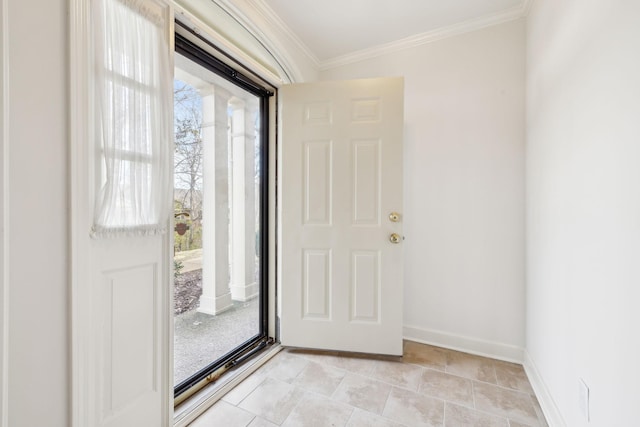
[249, 17]
[275, 21]
[429, 36]
[264, 11]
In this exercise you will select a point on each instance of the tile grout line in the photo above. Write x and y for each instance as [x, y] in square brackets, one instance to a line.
[295, 407]
[473, 395]
[503, 387]
[503, 415]
[251, 420]
[338, 386]
[444, 414]
[350, 416]
[386, 402]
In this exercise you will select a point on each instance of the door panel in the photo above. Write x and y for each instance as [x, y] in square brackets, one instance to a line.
[130, 289]
[341, 178]
[317, 182]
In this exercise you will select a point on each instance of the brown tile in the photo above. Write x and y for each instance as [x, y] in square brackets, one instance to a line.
[361, 418]
[413, 409]
[272, 400]
[223, 413]
[461, 416]
[318, 411]
[512, 376]
[319, 378]
[504, 402]
[471, 366]
[399, 374]
[425, 355]
[447, 387]
[361, 392]
[517, 424]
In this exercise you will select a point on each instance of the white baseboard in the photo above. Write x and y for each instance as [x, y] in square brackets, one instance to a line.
[494, 350]
[548, 405]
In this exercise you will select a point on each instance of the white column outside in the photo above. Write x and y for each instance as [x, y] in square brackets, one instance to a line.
[216, 295]
[243, 207]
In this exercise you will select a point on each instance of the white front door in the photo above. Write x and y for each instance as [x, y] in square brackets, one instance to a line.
[341, 183]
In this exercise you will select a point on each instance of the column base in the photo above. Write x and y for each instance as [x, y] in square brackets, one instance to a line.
[244, 292]
[215, 305]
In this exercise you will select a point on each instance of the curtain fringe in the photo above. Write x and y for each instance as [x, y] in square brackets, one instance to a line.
[98, 232]
[141, 7]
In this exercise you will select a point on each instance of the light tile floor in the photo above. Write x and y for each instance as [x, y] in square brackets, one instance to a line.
[428, 386]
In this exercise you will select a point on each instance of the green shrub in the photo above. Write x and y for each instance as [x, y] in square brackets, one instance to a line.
[177, 268]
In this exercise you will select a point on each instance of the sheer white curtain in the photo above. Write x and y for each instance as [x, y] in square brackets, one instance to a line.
[134, 110]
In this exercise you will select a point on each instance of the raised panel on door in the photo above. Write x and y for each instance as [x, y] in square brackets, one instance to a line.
[130, 331]
[317, 182]
[316, 284]
[341, 176]
[366, 182]
[365, 284]
[130, 359]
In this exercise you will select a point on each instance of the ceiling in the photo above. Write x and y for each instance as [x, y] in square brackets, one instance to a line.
[334, 28]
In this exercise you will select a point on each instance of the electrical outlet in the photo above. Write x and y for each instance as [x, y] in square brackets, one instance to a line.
[583, 398]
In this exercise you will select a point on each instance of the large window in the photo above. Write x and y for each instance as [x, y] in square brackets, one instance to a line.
[220, 206]
[132, 120]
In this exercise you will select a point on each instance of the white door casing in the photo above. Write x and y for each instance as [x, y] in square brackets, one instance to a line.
[342, 284]
[121, 296]
[4, 205]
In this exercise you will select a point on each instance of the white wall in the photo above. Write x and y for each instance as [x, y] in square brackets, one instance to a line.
[464, 187]
[38, 382]
[583, 207]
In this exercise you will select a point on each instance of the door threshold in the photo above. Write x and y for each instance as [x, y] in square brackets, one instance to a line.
[197, 404]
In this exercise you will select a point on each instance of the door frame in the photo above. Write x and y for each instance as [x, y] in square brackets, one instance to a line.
[80, 129]
[235, 55]
[240, 52]
[80, 99]
[4, 220]
[193, 47]
[81, 186]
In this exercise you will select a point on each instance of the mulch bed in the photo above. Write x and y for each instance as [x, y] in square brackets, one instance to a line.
[186, 291]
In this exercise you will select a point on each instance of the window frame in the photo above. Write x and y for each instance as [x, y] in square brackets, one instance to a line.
[195, 48]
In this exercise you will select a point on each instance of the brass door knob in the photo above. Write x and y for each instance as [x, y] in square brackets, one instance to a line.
[395, 238]
[394, 217]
